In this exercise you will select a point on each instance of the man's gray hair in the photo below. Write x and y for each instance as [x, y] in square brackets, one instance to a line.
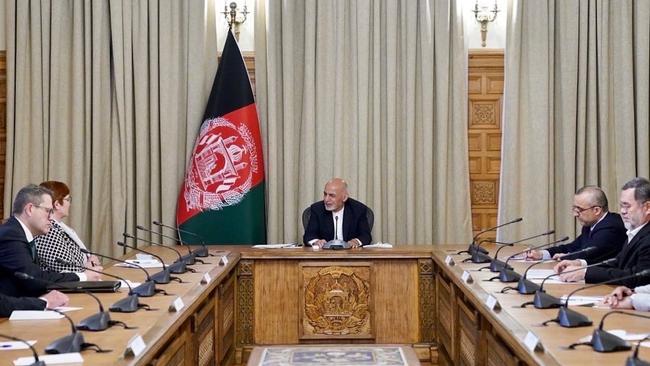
[29, 194]
[641, 188]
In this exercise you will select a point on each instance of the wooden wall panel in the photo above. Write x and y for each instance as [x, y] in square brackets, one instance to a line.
[396, 288]
[485, 93]
[276, 301]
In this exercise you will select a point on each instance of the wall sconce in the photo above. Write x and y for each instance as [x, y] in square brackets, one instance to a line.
[484, 16]
[234, 16]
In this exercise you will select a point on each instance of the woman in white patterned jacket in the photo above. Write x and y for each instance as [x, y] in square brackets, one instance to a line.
[61, 241]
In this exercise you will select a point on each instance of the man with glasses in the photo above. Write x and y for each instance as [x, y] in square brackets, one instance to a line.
[635, 255]
[601, 229]
[31, 212]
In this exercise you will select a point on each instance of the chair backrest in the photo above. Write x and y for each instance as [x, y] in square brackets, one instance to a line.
[305, 217]
[370, 216]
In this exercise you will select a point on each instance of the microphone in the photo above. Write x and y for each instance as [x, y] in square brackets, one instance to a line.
[146, 289]
[73, 342]
[508, 275]
[336, 228]
[129, 304]
[526, 287]
[542, 300]
[571, 319]
[189, 258]
[496, 265]
[96, 322]
[634, 359]
[472, 247]
[163, 277]
[36, 362]
[201, 252]
[178, 267]
[604, 341]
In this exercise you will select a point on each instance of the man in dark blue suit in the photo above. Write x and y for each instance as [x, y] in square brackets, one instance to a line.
[635, 255]
[601, 229]
[31, 212]
[337, 217]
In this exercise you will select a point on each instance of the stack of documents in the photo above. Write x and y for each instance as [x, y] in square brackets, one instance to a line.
[275, 246]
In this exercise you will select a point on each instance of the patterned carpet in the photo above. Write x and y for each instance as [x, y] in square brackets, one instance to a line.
[339, 356]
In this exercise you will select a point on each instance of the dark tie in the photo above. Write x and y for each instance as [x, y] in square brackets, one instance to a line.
[32, 250]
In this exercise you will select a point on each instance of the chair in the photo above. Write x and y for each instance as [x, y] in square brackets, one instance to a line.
[370, 216]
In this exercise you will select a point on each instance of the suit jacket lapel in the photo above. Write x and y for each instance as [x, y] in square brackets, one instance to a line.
[631, 246]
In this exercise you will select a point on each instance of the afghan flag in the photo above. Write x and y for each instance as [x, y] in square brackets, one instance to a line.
[222, 198]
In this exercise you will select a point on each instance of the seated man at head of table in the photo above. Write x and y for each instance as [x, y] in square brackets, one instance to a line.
[31, 211]
[601, 229]
[337, 212]
[635, 255]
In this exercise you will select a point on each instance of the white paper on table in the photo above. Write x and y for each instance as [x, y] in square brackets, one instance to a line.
[524, 260]
[582, 300]
[540, 274]
[34, 315]
[621, 333]
[7, 346]
[274, 246]
[51, 359]
[142, 263]
[125, 286]
[379, 245]
[65, 309]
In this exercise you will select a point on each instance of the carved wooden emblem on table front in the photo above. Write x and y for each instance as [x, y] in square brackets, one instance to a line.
[336, 302]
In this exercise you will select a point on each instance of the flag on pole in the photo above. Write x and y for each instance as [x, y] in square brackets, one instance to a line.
[222, 197]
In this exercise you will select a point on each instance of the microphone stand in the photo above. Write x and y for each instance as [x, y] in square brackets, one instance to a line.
[201, 252]
[163, 277]
[634, 360]
[542, 300]
[146, 289]
[570, 318]
[604, 341]
[496, 265]
[473, 247]
[508, 275]
[73, 342]
[189, 258]
[178, 267]
[36, 362]
[129, 304]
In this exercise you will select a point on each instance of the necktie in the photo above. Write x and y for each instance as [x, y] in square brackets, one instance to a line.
[32, 250]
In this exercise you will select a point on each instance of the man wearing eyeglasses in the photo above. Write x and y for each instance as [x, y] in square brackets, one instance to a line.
[601, 229]
[31, 211]
[635, 254]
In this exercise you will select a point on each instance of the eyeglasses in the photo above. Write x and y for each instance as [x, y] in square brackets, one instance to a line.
[49, 210]
[69, 199]
[578, 210]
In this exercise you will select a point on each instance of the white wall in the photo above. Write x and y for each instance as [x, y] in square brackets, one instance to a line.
[246, 36]
[496, 34]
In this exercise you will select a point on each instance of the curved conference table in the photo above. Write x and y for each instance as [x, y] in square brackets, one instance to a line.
[409, 295]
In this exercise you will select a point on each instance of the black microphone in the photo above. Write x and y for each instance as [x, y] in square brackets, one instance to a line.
[472, 247]
[178, 267]
[201, 252]
[146, 289]
[496, 264]
[129, 304]
[634, 360]
[336, 228]
[163, 277]
[73, 342]
[96, 322]
[36, 362]
[604, 341]
[571, 319]
[527, 287]
[509, 275]
[189, 258]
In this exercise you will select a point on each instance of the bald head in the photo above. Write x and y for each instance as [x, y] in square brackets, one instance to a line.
[335, 194]
[594, 196]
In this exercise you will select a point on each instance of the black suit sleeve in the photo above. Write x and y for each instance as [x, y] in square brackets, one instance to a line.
[567, 248]
[312, 230]
[9, 304]
[611, 271]
[363, 230]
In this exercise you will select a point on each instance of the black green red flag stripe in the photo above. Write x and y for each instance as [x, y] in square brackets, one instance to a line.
[222, 197]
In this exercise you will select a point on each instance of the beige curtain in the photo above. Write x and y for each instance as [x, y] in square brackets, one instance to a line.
[372, 91]
[107, 96]
[576, 107]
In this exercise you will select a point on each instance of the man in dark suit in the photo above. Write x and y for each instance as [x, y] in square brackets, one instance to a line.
[337, 212]
[601, 229]
[31, 211]
[50, 300]
[635, 255]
